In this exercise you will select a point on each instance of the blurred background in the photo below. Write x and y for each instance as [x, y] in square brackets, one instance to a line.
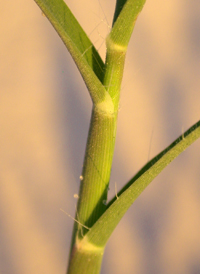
[44, 118]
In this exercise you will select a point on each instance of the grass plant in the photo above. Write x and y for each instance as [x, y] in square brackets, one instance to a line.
[96, 218]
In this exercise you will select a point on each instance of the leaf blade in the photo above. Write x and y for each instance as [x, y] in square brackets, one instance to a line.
[78, 44]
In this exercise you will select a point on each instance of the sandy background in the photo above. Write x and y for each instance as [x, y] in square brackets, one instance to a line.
[44, 116]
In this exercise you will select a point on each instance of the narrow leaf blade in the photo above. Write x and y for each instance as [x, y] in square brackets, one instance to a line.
[79, 45]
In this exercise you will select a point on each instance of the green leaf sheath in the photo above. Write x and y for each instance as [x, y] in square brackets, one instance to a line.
[126, 13]
[94, 187]
[79, 45]
[117, 41]
[102, 229]
[96, 169]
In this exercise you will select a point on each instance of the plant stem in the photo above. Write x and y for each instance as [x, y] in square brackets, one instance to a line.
[97, 167]
[94, 184]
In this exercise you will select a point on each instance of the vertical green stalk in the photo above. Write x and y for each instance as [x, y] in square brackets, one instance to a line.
[100, 148]
[114, 67]
[97, 166]
[94, 185]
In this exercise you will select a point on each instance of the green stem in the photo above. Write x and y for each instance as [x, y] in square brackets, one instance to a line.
[97, 166]
[94, 185]
[114, 68]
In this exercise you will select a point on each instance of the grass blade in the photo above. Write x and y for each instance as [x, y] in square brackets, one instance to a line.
[79, 45]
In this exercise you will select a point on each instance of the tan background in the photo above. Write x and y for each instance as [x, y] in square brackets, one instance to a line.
[44, 116]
